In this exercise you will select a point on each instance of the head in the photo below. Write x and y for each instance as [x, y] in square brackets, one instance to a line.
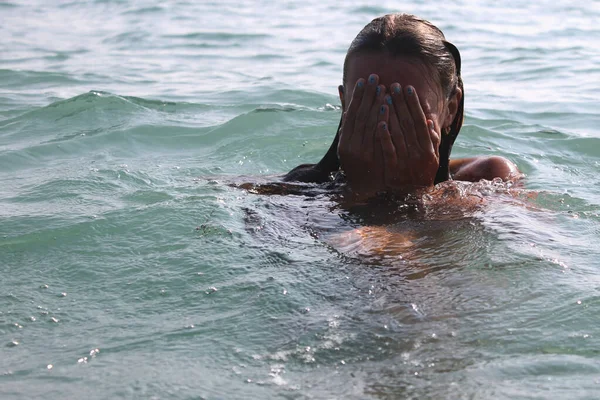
[411, 51]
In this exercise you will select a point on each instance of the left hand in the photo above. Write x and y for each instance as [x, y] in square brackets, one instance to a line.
[410, 147]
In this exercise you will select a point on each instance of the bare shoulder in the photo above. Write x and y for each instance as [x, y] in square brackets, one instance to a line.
[474, 169]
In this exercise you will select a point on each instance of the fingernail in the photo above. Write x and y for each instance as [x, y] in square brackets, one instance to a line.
[372, 79]
[388, 99]
[360, 84]
[410, 90]
[378, 90]
[397, 89]
[382, 110]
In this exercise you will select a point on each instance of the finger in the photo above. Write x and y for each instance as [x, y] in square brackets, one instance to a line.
[395, 129]
[376, 114]
[382, 116]
[435, 138]
[378, 162]
[388, 152]
[364, 110]
[357, 95]
[349, 117]
[421, 129]
[382, 122]
[384, 113]
[405, 122]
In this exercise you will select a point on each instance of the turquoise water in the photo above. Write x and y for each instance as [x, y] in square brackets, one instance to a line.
[132, 267]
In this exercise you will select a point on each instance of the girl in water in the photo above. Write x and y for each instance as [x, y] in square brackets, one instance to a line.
[403, 106]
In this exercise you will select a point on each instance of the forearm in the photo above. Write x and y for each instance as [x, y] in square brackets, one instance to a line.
[474, 169]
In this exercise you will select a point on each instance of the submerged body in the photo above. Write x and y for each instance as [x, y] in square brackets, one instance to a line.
[387, 229]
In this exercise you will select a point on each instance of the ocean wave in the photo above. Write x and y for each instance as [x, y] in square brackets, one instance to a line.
[13, 79]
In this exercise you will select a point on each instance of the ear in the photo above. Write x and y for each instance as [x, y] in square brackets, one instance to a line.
[341, 93]
[452, 107]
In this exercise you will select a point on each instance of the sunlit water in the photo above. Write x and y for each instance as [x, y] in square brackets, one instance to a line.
[134, 265]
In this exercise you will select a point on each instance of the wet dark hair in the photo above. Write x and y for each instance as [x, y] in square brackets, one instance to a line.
[401, 35]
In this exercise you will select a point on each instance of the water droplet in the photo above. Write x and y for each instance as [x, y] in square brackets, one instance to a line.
[343, 362]
[54, 320]
[32, 319]
[578, 301]
[13, 343]
[18, 326]
[50, 366]
[44, 287]
[285, 292]
[63, 294]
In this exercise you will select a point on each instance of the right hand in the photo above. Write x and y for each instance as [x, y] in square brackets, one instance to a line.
[359, 148]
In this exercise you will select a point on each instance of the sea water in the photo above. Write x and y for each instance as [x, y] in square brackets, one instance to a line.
[133, 265]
